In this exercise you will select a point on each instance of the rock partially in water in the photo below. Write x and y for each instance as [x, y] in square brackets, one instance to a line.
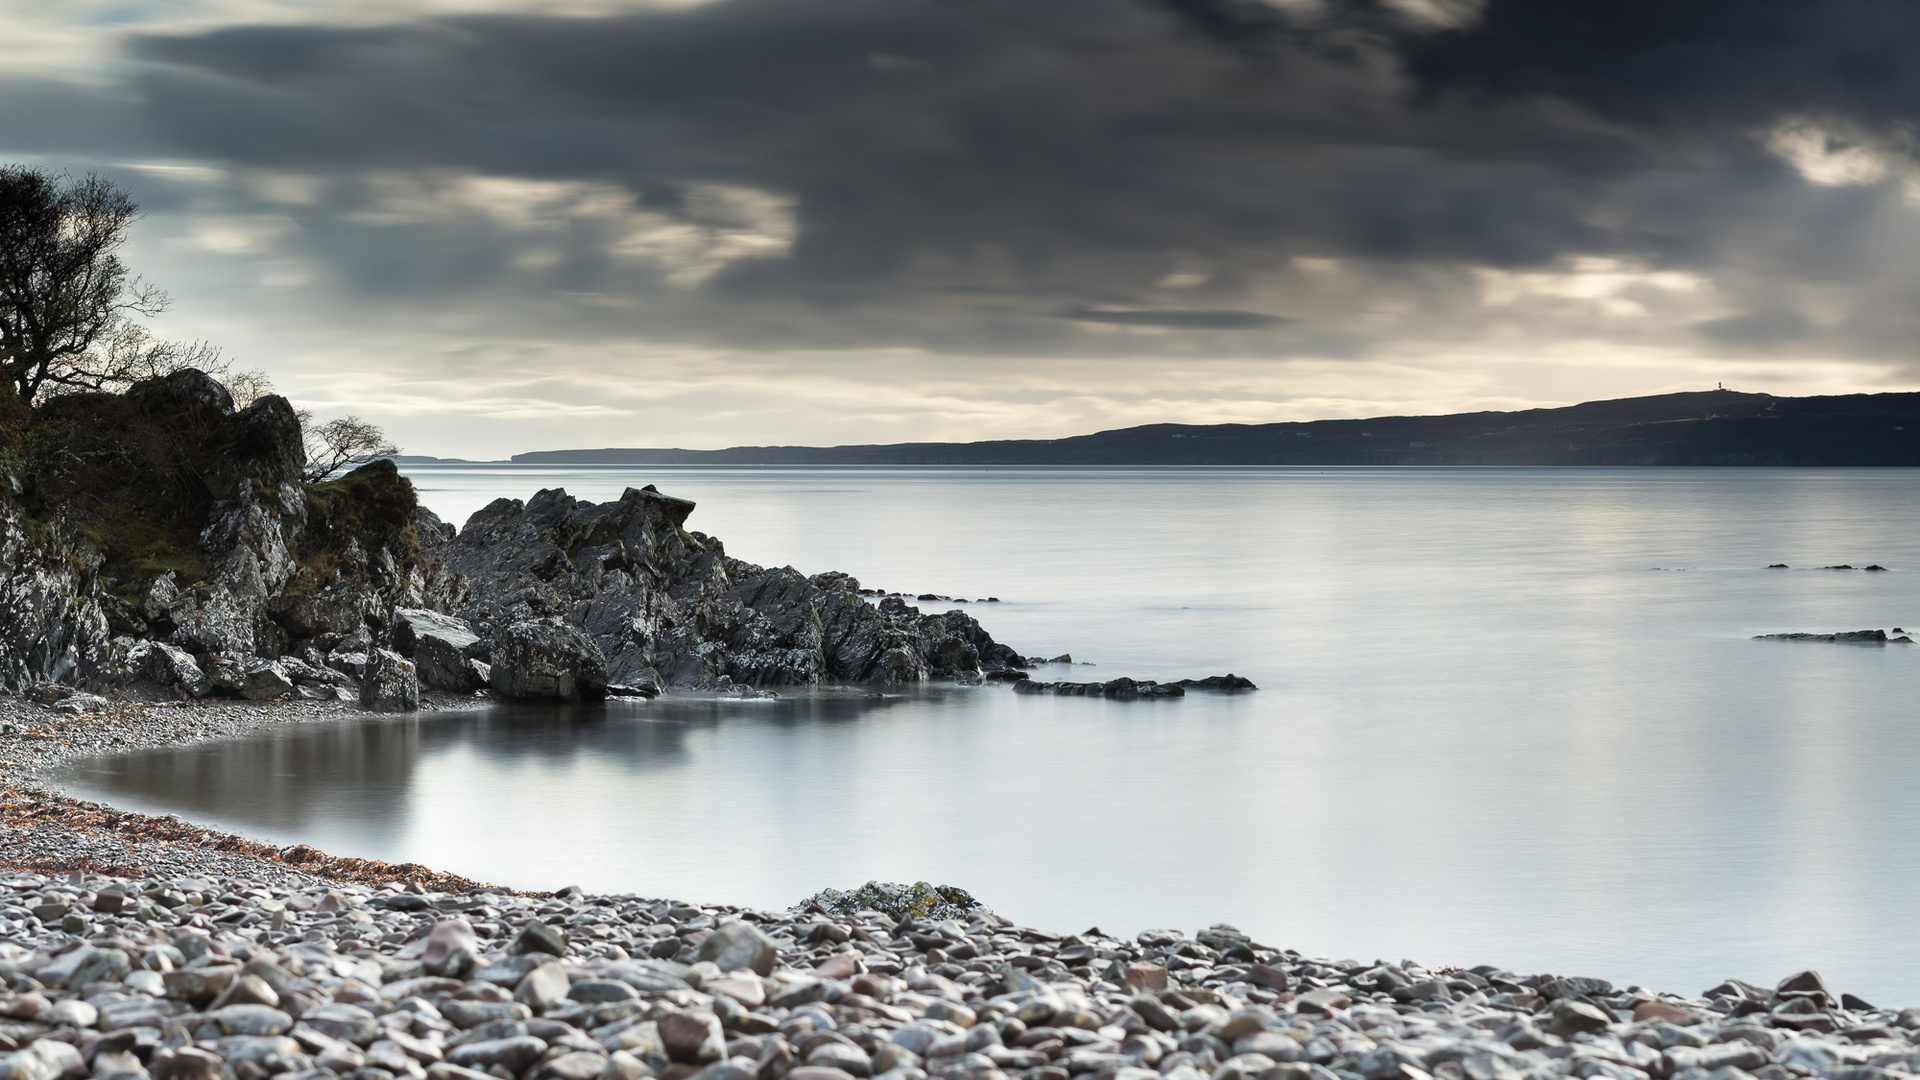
[548, 660]
[1121, 689]
[1850, 637]
[668, 608]
[1224, 684]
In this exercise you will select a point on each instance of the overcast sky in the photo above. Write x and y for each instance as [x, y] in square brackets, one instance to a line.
[502, 225]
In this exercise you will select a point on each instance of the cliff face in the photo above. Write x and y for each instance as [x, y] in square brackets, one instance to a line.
[669, 608]
[51, 626]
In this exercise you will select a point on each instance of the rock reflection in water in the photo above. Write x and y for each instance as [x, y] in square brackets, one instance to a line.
[274, 785]
[380, 788]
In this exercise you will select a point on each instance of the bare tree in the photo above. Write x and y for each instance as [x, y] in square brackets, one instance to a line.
[337, 444]
[246, 386]
[68, 305]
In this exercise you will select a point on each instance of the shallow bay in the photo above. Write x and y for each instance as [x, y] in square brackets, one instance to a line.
[1489, 729]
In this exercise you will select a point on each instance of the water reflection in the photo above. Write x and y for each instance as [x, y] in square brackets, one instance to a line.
[359, 780]
[280, 784]
[1487, 732]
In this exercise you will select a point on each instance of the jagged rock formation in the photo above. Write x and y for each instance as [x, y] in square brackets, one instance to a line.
[668, 607]
[162, 542]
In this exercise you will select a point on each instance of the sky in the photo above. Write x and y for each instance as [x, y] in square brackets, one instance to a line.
[495, 226]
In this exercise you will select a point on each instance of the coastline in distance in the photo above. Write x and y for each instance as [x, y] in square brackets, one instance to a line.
[1713, 427]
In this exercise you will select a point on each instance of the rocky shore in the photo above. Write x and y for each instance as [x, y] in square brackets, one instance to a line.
[166, 544]
[135, 947]
[142, 947]
[217, 976]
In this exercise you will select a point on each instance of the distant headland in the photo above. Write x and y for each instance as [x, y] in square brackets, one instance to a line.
[1713, 427]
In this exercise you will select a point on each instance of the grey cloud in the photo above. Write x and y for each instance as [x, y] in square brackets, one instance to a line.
[1175, 320]
[1761, 329]
[963, 172]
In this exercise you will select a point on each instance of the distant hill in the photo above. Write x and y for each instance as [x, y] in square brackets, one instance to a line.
[1714, 427]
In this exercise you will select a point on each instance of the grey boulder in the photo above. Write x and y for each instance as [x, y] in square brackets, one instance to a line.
[389, 685]
[445, 650]
[548, 659]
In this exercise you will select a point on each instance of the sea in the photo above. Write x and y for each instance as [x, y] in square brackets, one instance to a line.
[1505, 716]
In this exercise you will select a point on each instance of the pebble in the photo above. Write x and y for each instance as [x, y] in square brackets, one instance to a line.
[338, 986]
[201, 961]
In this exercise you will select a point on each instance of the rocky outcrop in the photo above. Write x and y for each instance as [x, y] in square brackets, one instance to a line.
[669, 608]
[163, 543]
[1845, 637]
[1121, 689]
[166, 545]
[164, 670]
[548, 660]
[1219, 684]
[1125, 689]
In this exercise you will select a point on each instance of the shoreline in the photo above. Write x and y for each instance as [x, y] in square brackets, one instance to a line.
[151, 949]
[45, 830]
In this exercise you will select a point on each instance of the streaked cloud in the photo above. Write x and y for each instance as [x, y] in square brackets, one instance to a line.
[797, 218]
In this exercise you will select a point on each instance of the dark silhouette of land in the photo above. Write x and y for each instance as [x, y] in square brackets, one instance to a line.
[1714, 427]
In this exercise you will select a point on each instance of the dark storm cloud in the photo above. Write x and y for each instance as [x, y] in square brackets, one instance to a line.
[1701, 65]
[964, 171]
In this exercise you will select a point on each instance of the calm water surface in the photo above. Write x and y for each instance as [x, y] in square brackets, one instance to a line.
[1489, 730]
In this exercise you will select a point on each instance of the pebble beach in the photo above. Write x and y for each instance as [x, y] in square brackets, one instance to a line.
[135, 947]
